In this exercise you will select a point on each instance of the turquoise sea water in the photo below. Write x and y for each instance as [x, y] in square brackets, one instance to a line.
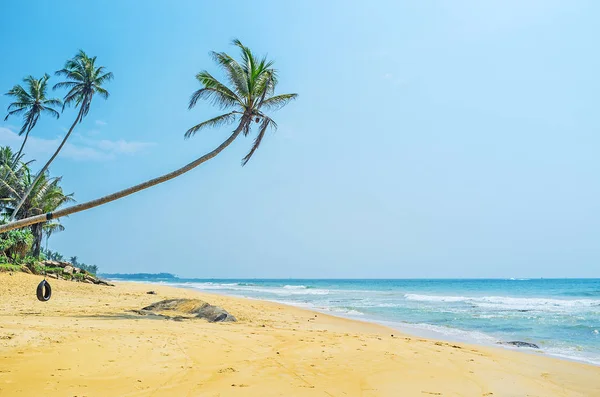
[562, 316]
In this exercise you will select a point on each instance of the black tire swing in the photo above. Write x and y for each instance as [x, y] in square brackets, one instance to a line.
[44, 291]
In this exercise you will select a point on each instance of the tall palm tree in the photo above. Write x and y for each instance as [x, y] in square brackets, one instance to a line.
[252, 90]
[31, 102]
[83, 80]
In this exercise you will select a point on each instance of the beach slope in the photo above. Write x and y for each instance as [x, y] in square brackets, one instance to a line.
[86, 342]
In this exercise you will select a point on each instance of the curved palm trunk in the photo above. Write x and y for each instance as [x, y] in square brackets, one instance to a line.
[126, 192]
[37, 177]
[23, 144]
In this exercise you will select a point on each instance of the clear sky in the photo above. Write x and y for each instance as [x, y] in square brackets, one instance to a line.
[430, 138]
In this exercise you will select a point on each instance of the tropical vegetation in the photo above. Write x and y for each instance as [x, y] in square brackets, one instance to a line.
[46, 194]
[34, 203]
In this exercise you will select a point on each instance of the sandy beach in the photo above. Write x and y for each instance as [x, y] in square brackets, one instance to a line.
[85, 342]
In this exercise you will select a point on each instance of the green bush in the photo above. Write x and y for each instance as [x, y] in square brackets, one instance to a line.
[30, 260]
[79, 276]
[16, 243]
[7, 267]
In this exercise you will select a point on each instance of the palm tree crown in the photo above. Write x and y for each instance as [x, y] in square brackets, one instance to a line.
[252, 91]
[31, 102]
[83, 80]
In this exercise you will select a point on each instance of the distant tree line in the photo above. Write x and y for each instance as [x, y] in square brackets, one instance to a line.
[56, 256]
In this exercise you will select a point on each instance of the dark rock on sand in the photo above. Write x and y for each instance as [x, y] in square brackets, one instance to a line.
[103, 282]
[188, 308]
[518, 343]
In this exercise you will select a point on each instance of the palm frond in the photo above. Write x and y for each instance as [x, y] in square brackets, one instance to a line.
[215, 96]
[234, 72]
[102, 92]
[64, 84]
[218, 121]
[278, 101]
[51, 112]
[104, 77]
[259, 137]
[15, 112]
[208, 81]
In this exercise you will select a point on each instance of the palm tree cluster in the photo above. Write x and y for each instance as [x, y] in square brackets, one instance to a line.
[83, 79]
[46, 195]
[247, 95]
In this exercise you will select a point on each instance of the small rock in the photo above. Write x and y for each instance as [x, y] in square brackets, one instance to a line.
[519, 343]
[103, 282]
[190, 307]
[68, 270]
[151, 293]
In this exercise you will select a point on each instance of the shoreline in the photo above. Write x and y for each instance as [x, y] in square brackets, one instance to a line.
[410, 329]
[80, 343]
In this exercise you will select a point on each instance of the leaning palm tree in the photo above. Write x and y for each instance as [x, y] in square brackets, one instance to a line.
[251, 94]
[83, 80]
[31, 102]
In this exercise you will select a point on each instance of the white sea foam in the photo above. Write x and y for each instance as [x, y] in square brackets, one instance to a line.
[510, 303]
[351, 312]
[295, 287]
[444, 333]
[241, 287]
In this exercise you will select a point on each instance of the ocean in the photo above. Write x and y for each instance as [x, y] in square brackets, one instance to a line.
[561, 316]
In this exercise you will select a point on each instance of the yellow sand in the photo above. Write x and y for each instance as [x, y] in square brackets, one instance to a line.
[78, 344]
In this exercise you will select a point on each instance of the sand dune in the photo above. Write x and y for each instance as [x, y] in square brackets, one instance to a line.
[84, 342]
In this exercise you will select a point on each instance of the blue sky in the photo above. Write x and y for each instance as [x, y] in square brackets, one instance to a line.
[430, 138]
